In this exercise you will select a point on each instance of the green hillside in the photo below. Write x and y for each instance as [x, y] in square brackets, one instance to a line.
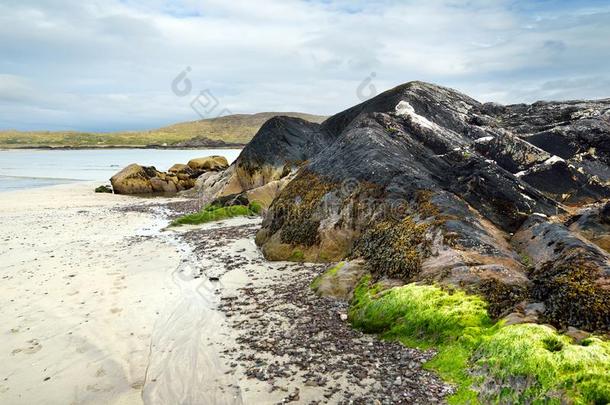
[238, 128]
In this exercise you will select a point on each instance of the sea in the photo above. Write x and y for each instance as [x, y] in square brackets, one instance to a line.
[29, 168]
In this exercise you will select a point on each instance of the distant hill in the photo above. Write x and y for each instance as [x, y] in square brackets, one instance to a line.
[232, 129]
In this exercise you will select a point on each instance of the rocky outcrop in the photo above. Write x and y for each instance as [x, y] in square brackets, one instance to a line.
[209, 163]
[427, 184]
[205, 142]
[136, 179]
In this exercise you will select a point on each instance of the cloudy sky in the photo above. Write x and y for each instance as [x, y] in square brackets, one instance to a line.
[115, 64]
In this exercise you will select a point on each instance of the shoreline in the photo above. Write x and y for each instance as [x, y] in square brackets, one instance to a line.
[105, 305]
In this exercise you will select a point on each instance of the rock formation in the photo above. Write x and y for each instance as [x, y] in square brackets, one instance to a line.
[427, 184]
[136, 179]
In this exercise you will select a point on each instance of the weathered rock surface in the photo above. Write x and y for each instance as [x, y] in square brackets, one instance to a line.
[593, 222]
[209, 163]
[133, 179]
[339, 281]
[425, 183]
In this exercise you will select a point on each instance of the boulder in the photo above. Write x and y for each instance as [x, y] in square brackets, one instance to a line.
[134, 179]
[210, 163]
[231, 200]
[340, 280]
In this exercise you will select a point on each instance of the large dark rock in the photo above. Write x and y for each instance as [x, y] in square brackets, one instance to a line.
[427, 184]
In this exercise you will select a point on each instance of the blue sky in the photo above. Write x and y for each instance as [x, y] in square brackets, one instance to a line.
[109, 65]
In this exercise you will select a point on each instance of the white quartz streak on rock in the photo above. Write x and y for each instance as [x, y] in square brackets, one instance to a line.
[405, 109]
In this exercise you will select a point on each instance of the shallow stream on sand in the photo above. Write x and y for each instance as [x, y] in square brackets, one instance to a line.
[184, 365]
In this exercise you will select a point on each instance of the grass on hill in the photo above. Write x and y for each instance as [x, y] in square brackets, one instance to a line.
[212, 213]
[525, 363]
[238, 128]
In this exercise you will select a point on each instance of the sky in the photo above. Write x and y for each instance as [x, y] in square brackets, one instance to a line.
[132, 64]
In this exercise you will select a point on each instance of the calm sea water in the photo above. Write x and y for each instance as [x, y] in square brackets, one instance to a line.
[21, 169]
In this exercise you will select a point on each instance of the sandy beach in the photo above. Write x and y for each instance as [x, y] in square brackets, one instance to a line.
[101, 305]
[79, 297]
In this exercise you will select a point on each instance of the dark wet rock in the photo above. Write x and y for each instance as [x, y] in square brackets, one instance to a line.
[561, 128]
[231, 199]
[265, 164]
[565, 183]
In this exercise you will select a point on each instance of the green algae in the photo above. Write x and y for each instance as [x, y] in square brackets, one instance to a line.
[297, 256]
[525, 363]
[212, 213]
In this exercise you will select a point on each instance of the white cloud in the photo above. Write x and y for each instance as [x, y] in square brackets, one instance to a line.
[109, 64]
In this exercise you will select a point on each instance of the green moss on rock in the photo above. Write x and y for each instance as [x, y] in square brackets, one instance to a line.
[489, 363]
[547, 365]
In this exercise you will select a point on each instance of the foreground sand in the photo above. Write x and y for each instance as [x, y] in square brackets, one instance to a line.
[100, 305]
[79, 296]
